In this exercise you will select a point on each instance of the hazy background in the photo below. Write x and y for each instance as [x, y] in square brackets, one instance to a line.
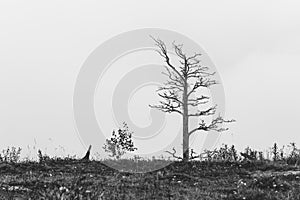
[254, 44]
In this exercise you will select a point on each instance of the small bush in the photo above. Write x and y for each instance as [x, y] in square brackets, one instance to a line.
[42, 157]
[11, 155]
[120, 142]
[294, 156]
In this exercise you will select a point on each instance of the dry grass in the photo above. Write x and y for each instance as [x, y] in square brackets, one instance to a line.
[70, 179]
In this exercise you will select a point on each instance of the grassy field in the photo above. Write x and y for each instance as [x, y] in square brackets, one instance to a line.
[72, 179]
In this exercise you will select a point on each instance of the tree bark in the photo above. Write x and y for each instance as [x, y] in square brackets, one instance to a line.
[185, 128]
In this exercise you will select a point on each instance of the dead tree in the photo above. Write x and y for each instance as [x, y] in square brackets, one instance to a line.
[87, 155]
[177, 93]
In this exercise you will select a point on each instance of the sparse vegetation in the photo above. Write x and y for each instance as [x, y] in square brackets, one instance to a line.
[11, 154]
[223, 175]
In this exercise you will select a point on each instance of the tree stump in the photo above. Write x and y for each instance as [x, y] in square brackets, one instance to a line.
[87, 155]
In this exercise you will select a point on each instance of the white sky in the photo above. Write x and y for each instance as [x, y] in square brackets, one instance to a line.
[254, 44]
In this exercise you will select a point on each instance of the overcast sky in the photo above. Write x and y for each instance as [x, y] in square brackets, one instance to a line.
[255, 46]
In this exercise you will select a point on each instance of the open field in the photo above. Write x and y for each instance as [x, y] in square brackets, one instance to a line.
[71, 179]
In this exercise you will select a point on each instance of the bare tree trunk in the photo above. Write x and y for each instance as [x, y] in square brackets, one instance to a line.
[185, 139]
[185, 123]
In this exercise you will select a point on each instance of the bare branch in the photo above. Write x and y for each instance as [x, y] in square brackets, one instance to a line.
[184, 64]
[210, 111]
[169, 87]
[194, 57]
[214, 125]
[198, 101]
[164, 53]
[174, 84]
[171, 96]
[178, 50]
[202, 82]
[173, 154]
[173, 77]
[167, 107]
